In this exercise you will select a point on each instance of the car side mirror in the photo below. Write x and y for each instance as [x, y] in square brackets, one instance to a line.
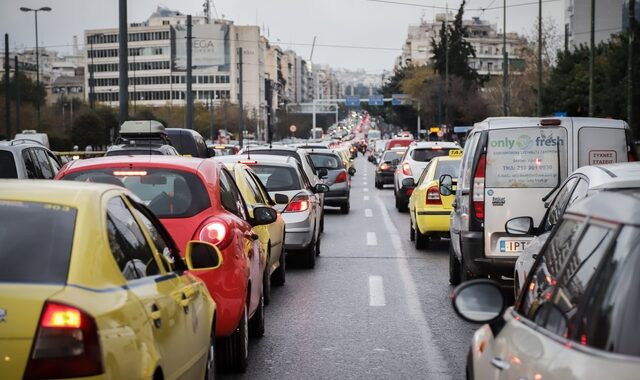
[320, 188]
[281, 199]
[323, 173]
[211, 152]
[522, 225]
[201, 255]
[408, 182]
[263, 215]
[352, 171]
[446, 184]
[478, 301]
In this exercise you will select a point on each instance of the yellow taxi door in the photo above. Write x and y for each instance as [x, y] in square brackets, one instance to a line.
[159, 292]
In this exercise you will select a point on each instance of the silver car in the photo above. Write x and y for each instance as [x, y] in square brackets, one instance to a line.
[297, 199]
[338, 178]
[27, 159]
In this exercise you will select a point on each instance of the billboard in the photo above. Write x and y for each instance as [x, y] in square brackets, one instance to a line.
[210, 46]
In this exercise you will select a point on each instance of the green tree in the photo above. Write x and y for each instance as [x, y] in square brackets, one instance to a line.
[88, 129]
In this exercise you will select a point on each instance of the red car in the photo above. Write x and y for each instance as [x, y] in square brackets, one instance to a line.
[197, 199]
[398, 142]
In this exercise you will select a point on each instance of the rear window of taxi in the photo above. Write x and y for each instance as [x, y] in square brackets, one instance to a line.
[35, 242]
[426, 154]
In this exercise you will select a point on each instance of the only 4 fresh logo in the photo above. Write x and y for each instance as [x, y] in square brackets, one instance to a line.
[524, 142]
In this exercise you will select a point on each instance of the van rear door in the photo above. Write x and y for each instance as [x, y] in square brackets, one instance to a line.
[522, 166]
[600, 142]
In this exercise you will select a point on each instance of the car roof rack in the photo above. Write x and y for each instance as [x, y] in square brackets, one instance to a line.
[23, 140]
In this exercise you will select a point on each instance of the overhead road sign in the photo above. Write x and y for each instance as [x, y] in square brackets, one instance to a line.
[376, 100]
[352, 101]
[400, 99]
[462, 129]
[560, 114]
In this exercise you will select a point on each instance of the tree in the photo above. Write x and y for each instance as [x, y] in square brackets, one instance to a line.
[88, 129]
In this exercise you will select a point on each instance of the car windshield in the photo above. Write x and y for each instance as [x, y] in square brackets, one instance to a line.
[426, 154]
[35, 235]
[326, 161]
[450, 167]
[277, 178]
[391, 155]
[7, 165]
[168, 193]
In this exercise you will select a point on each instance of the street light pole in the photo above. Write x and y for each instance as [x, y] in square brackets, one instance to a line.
[35, 12]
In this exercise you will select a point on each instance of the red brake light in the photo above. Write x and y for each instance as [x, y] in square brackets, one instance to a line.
[249, 162]
[385, 167]
[433, 196]
[66, 345]
[478, 187]
[216, 233]
[406, 168]
[125, 173]
[341, 177]
[299, 203]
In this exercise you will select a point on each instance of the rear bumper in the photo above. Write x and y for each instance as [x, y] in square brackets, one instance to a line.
[385, 178]
[433, 220]
[299, 230]
[338, 194]
[472, 245]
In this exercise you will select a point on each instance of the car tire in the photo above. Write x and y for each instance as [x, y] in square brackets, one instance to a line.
[322, 222]
[400, 205]
[344, 208]
[378, 185]
[210, 366]
[465, 273]
[318, 246]
[279, 275]
[421, 240]
[256, 324]
[412, 231]
[454, 267]
[233, 352]
[266, 280]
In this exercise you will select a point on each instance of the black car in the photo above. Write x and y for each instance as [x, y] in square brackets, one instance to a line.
[387, 166]
[189, 143]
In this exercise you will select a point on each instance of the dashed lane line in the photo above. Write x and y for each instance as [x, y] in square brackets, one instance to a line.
[372, 239]
[366, 198]
[368, 212]
[376, 291]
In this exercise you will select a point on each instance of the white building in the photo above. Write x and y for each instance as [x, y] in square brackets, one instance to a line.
[608, 20]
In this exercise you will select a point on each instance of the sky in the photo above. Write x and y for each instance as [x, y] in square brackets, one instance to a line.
[351, 34]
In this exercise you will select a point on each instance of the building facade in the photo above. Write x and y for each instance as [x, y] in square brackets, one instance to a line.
[608, 21]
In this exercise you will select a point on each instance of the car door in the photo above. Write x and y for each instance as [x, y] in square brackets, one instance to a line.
[461, 207]
[157, 290]
[315, 200]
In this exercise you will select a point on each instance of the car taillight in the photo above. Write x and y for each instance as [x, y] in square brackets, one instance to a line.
[341, 177]
[215, 232]
[66, 345]
[478, 187]
[299, 203]
[631, 157]
[384, 167]
[406, 169]
[433, 196]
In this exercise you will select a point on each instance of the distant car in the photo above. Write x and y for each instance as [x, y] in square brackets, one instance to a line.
[576, 316]
[133, 149]
[429, 209]
[415, 160]
[27, 159]
[398, 142]
[386, 168]
[223, 149]
[338, 178]
[189, 142]
[585, 181]
[98, 289]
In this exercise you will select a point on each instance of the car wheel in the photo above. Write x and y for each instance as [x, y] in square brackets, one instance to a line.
[233, 353]
[210, 373]
[454, 267]
[279, 275]
[344, 208]
[322, 223]
[465, 273]
[318, 246]
[412, 231]
[266, 280]
[256, 325]
[378, 185]
[421, 240]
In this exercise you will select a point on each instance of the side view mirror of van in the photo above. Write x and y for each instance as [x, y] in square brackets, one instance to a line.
[522, 225]
[446, 184]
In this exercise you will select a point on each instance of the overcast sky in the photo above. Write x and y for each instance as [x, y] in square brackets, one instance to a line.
[373, 31]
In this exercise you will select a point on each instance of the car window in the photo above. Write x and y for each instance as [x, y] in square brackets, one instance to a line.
[391, 155]
[55, 165]
[30, 165]
[201, 147]
[580, 191]
[159, 236]
[40, 260]
[7, 165]
[426, 154]
[230, 195]
[544, 274]
[253, 188]
[263, 190]
[467, 161]
[448, 167]
[327, 161]
[557, 207]
[611, 313]
[44, 164]
[305, 179]
[423, 175]
[278, 178]
[128, 245]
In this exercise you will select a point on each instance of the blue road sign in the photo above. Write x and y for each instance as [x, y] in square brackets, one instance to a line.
[400, 99]
[560, 114]
[376, 100]
[352, 101]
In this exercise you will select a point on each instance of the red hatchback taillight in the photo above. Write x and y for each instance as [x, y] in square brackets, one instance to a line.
[341, 177]
[215, 232]
[406, 169]
[385, 167]
[478, 187]
[66, 345]
[433, 196]
[299, 203]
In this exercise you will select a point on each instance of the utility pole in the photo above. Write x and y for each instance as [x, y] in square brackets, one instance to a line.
[592, 56]
[123, 59]
[17, 81]
[539, 106]
[446, 67]
[630, 70]
[189, 111]
[211, 130]
[7, 98]
[505, 64]
[241, 100]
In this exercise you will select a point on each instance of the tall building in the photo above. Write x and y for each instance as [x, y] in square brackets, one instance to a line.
[608, 20]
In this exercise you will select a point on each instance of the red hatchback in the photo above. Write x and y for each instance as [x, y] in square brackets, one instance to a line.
[197, 199]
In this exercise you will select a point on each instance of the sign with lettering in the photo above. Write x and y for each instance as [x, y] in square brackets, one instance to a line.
[601, 157]
[208, 46]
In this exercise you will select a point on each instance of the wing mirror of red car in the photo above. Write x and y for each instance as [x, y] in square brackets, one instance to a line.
[201, 255]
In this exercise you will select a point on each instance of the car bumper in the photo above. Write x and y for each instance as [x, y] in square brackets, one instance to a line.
[385, 178]
[337, 195]
[472, 245]
[433, 220]
[299, 230]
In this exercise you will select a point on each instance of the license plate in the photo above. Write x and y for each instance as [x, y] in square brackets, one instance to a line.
[510, 246]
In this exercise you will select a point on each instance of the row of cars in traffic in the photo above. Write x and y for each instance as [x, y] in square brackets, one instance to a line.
[548, 207]
[147, 265]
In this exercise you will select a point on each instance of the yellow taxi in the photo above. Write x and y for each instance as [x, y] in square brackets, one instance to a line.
[271, 236]
[428, 209]
[92, 286]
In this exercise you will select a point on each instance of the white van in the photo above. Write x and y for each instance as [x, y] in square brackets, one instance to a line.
[33, 135]
[509, 168]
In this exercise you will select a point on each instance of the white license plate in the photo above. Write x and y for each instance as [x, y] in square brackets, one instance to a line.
[510, 246]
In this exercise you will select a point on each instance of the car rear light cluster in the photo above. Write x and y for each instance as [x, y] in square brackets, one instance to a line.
[66, 345]
[478, 187]
[632, 157]
[341, 177]
[385, 167]
[406, 169]
[433, 196]
[215, 232]
[299, 203]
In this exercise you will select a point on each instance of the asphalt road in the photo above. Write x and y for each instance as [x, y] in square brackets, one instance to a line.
[373, 307]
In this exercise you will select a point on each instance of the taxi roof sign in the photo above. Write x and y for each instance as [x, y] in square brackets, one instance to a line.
[455, 153]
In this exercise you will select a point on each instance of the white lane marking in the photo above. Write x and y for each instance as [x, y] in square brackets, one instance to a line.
[368, 212]
[376, 291]
[371, 238]
[364, 183]
[366, 197]
[435, 363]
[365, 189]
